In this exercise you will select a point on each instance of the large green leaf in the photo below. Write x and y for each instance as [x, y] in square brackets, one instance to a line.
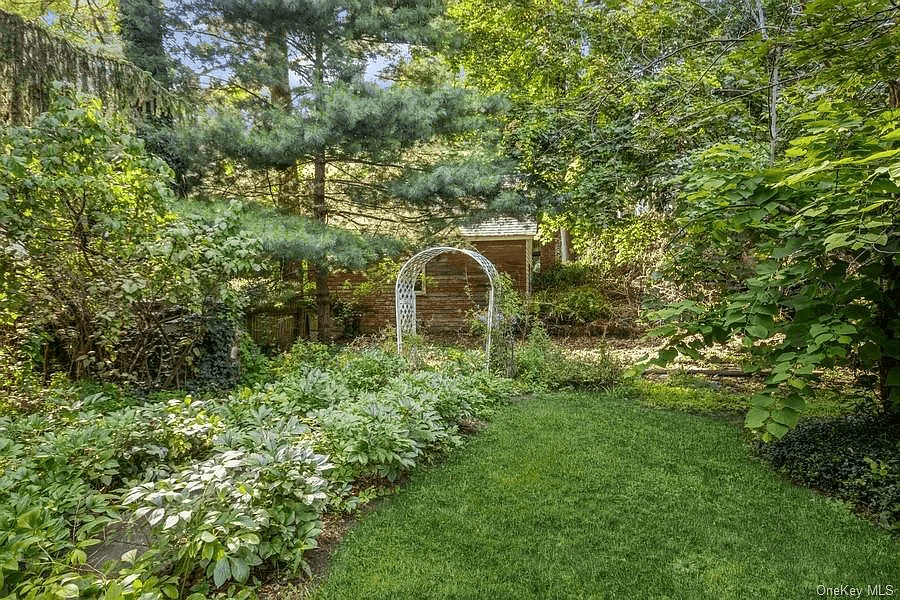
[222, 571]
[756, 417]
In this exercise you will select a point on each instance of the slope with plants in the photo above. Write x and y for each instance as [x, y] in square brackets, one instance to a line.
[226, 490]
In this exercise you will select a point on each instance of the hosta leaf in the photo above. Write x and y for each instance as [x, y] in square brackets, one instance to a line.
[156, 516]
[239, 570]
[222, 571]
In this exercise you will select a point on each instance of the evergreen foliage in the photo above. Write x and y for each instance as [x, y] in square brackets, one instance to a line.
[142, 30]
[33, 58]
[337, 148]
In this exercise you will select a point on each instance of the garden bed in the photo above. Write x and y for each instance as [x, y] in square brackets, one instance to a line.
[227, 490]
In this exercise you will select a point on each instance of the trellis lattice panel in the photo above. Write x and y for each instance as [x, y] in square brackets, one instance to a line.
[405, 292]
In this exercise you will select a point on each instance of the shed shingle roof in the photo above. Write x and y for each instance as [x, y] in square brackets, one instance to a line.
[500, 227]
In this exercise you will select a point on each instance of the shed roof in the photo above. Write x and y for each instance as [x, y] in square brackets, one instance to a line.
[501, 227]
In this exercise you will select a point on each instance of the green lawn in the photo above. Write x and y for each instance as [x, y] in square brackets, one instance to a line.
[587, 496]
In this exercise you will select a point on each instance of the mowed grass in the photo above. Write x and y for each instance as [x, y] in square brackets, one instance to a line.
[588, 496]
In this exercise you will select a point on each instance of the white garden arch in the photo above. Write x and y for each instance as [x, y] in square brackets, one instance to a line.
[405, 293]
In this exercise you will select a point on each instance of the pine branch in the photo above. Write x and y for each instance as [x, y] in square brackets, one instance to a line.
[363, 161]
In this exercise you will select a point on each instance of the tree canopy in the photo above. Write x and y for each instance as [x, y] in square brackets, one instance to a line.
[768, 128]
[298, 111]
[765, 129]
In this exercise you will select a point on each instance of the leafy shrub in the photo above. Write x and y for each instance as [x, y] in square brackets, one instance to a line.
[216, 366]
[627, 249]
[369, 370]
[295, 394]
[19, 383]
[371, 439]
[450, 397]
[854, 457]
[228, 487]
[96, 269]
[255, 366]
[59, 474]
[304, 354]
[565, 275]
[576, 306]
[542, 365]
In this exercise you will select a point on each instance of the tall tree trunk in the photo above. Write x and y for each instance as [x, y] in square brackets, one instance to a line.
[888, 322]
[890, 309]
[280, 91]
[774, 93]
[320, 213]
[759, 15]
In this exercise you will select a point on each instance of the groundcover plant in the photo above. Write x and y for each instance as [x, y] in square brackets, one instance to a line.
[225, 490]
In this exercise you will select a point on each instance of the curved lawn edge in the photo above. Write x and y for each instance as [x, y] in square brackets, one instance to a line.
[587, 496]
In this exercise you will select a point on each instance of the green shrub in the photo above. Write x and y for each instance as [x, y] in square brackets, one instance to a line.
[542, 365]
[100, 279]
[304, 354]
[570, 306]
[855, 457]
[20, 388]
[231, 512]
[60, 477]
[369, 370]
[565, 275]
[255, 366]
[371, 439]
[229, 487]
[302, 390]
[216, 367]
[450, 397]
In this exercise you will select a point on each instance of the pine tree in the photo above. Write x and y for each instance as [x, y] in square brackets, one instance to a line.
[345, 150]
[141, 25]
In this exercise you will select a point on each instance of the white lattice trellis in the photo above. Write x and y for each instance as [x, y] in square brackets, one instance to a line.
[405, 293]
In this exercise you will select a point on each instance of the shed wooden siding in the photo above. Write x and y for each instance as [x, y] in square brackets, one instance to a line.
[456, 288]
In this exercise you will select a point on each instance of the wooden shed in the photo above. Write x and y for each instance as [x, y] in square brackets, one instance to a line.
[454, 288]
